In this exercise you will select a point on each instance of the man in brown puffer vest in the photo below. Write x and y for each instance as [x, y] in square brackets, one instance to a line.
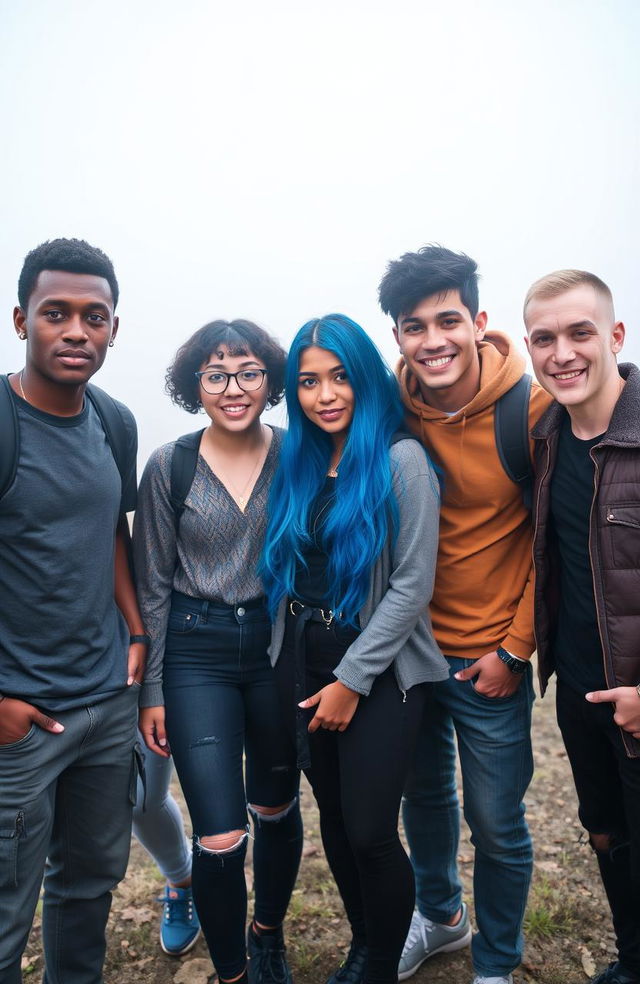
[587, 563]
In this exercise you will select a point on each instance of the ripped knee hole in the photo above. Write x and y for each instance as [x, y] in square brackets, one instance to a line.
[269, 811]
[600, 842]
[222, 843]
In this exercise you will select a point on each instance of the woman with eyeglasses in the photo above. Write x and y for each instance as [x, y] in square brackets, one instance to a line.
[209, 693]
[348, 568]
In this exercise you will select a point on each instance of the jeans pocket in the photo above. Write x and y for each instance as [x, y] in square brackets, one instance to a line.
[137, 769]
[20, 741]
[11, 833]
[182, 623]
[493, 700]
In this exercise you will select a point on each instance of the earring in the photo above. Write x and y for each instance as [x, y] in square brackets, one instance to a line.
[22, 336]
[111, 343]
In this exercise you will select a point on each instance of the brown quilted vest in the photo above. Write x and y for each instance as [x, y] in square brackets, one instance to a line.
[614, 541]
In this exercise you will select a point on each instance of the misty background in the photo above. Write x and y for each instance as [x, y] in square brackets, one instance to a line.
[266, 160]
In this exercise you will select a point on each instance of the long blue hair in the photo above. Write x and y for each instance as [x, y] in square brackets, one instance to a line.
[365, 510]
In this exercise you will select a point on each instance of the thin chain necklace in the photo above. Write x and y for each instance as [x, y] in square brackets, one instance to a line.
[21, 386]
[240, 496]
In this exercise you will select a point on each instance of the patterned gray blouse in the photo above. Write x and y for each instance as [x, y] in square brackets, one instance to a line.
[213, 557]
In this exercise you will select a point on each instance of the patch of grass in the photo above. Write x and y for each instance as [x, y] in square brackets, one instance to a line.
[549, 913]
[303, 957]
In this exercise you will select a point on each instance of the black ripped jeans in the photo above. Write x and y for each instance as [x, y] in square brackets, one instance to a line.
[221, 700]
[357, 777]
[608, 786]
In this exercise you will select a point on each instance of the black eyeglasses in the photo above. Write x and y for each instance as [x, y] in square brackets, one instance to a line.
[216, 381]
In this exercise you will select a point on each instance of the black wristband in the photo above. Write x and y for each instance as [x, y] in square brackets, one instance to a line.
[515, 664]
[143, 638]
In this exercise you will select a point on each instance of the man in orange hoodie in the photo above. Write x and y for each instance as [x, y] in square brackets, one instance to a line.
[452, 374]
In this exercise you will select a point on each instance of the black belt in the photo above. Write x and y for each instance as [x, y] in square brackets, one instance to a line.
[303, 614]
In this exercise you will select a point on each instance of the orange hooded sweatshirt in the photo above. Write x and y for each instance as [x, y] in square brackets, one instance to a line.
[483, 595]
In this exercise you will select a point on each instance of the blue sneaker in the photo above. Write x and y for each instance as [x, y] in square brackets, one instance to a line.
[180, 926]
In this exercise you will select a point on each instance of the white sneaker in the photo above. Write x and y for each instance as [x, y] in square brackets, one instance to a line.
[478, 979]
[426, 938]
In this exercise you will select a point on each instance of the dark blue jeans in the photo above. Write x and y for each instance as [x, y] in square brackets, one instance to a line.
[494, 744]
[221, 701]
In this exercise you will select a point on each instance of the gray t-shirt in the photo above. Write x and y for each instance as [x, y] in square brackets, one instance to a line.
[63, 641]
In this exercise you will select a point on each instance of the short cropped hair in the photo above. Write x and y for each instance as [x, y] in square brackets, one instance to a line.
[432, 270]
[69, 255]
[561, 281]
[241, 338]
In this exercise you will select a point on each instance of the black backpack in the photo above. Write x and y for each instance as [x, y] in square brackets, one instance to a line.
[511, 425]
[117, 423]
[183, 468]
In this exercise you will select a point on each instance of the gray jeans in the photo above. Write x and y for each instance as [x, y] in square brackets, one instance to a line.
[66, 799]
[157, 821]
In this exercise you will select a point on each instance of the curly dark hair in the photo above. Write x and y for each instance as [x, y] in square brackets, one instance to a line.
[241, 338]
[69, 255]
[432, 270]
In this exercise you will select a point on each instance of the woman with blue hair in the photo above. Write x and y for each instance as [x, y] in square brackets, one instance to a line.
[348, 569]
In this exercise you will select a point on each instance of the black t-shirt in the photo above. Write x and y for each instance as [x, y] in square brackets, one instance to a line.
[63, 641]
[577, 645]
[312, 583]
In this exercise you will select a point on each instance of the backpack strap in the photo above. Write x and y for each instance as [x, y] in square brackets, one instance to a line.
[401, 435]
[120, 430]
[183, 468]
[117, 422]
[511, 422]
[9, 436]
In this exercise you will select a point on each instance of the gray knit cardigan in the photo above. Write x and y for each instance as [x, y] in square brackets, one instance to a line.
[395, 624]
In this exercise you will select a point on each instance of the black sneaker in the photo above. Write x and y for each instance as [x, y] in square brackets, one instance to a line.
[267, 958]
[351, 971]
[616, 974]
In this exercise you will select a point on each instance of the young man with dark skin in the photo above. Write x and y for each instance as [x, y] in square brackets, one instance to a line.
[587, 561]
[72, 648]
[451, 376]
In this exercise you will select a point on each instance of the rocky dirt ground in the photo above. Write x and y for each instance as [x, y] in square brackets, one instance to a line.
[567, 929]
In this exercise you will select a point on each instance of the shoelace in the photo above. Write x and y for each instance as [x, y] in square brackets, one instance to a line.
[418, 929]
[271, 961]
[490, 980]
[176, 908]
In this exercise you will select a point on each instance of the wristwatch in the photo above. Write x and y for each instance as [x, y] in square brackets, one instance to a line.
[142, 637]
[515, 664]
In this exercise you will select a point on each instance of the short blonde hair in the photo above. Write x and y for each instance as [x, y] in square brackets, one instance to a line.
[562, 280]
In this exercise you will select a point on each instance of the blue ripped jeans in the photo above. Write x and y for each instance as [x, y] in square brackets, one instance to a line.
[220, 702]
[494, 744]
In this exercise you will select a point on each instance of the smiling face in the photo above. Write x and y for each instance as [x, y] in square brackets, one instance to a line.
[235, 410]
[324, 392]
[438, 341]
[68, 322]
[573, 341]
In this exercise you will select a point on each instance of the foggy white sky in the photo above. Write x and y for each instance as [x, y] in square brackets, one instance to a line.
[266, 160]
